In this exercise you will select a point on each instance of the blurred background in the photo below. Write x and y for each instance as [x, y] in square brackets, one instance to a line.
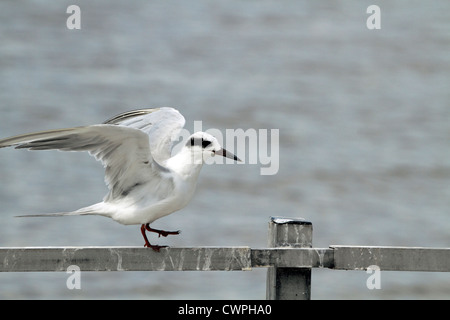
[363, 117]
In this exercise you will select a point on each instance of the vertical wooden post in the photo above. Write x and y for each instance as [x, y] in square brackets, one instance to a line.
[289, 283]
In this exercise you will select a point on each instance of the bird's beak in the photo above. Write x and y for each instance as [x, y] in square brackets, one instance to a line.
[227, 154]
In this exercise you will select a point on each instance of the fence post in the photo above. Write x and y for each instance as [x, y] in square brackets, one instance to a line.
[289, 283]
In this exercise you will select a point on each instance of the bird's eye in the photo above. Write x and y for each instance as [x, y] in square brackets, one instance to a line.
[205, 143]
[199, 142]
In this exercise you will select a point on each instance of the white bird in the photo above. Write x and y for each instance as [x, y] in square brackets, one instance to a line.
[145, 182]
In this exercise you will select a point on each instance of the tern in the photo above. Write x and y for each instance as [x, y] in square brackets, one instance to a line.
[145, 181]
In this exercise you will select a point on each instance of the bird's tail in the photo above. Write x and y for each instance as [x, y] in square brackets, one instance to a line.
[57, 214]
[91, 210]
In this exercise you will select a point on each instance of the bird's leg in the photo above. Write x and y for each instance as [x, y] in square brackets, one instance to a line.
[161, 232]
[147, 244]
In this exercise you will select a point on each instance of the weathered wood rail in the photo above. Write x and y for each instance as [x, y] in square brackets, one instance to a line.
[289, 259]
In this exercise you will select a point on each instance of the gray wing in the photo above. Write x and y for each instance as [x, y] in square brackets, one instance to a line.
[124, 151]
[163, 126]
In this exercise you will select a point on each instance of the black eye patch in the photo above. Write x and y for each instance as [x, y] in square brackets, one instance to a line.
[205, 143]
[198, 142]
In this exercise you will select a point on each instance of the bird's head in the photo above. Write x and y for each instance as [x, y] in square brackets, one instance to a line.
[203, 145]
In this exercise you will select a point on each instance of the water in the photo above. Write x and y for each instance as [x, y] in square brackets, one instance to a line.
[363, 118]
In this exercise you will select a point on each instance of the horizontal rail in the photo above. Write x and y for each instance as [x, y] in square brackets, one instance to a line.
[31, 259]
[125, 259]
[286, 257]
[392, 258]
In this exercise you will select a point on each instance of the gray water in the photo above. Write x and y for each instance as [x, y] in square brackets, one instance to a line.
[363, 117]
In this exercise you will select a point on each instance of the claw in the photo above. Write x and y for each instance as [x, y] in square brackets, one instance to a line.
[159, 232]
[154, 247]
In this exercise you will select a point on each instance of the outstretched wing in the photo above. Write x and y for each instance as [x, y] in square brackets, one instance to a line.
[124, 151]
[163, 126]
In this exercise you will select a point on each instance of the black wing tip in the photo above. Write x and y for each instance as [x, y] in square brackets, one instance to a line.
[129, 114]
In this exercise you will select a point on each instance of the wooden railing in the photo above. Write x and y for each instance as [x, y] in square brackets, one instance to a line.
[289, 259]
